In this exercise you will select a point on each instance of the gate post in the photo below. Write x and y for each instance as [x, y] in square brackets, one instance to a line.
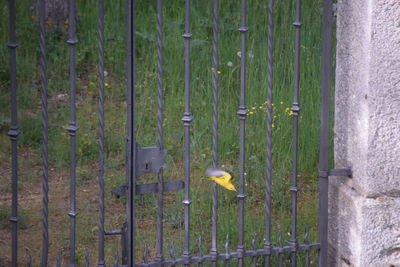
[364, 211]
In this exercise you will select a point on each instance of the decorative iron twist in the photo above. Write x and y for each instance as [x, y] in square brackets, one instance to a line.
[101, 133]
[45, 154]
[214, 231]
[160, 85]
[268, 189]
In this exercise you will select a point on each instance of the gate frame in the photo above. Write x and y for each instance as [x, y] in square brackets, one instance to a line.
[128, 232]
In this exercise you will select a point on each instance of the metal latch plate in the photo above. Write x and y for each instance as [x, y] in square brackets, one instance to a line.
[150, 160]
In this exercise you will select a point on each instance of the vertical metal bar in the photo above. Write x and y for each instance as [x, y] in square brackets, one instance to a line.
[13, 134]
[254, 247]
[307, 242]
[242, 112]
[45, 158]
[131, 132]
[187, 119]
[72, 128]
[296, 110]
[101, 135]
[268, 165]
[214, 230]
[200, 254]
[160, 84]
[280, 253]
[227, 251]
[324, 133]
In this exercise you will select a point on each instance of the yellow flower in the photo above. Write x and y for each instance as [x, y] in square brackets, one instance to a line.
[253, 108]
[290, 113]
[281, 103]
[266, 102]
[274, 116]
[66, 22]
[106, 84]
[219, 72]
[260, 107]
[273, 104]
[212, 69]
[273, 125]
[287, 109]
[222, 178]
[251, 112]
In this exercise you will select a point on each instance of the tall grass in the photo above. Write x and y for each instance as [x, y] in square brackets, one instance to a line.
[201, 106]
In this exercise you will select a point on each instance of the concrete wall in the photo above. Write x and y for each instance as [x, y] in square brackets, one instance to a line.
[364, 213]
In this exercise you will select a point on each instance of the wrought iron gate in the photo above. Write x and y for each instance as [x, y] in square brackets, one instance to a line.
[142, 160]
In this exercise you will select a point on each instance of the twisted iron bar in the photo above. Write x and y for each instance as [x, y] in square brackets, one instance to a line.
[268, 165]
[13, 133]
[214, 230]
[101, 134]
[45, 154]
[160, 85]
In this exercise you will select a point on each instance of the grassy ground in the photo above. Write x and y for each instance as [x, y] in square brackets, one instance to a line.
[201, 79]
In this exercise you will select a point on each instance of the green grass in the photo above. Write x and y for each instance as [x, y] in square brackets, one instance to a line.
[201, 108]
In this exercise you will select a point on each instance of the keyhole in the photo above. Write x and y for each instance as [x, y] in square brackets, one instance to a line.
[146, 167]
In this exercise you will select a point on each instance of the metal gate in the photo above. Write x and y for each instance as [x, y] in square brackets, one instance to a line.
[142, 160]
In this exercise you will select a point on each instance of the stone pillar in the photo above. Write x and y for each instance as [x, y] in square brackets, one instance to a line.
[364, 211]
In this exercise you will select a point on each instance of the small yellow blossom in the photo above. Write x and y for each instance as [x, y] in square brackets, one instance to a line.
[66, 22]
[290, 113]
[281, 103]
[219, 72]
[273, 125]
[273, 104]
[212, 69]
[260, 107]
[251, 112]
[106, 84]
[274, 116]
[253, 108]
[287, 109]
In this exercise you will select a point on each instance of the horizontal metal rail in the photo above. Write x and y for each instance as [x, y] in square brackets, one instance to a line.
[232, 255]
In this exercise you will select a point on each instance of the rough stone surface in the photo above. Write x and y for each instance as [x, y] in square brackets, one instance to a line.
[364, 229]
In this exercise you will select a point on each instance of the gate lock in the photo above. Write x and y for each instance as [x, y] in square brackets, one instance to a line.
[150, 160]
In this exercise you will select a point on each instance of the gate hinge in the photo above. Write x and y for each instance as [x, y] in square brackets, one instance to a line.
[336, 172]
[334, 9]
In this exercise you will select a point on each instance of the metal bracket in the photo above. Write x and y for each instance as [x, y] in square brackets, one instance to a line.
[149, 160]
[336, 172]
[141, 189]
[334, 9]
